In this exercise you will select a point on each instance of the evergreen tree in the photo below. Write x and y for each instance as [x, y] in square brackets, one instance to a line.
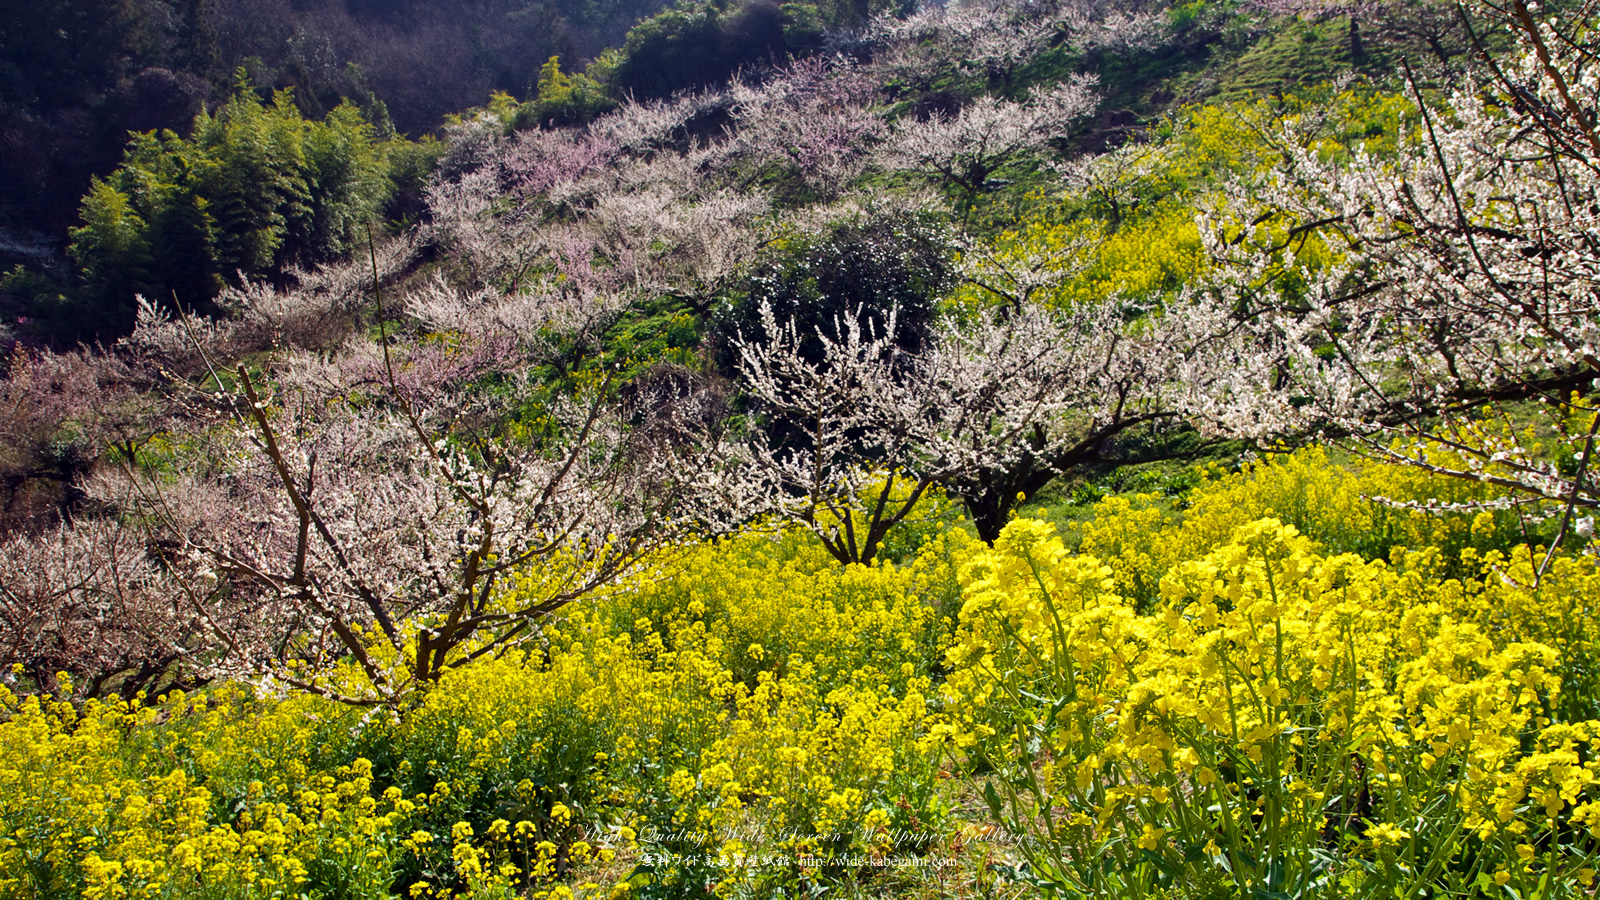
[113, 249]
[257, 188]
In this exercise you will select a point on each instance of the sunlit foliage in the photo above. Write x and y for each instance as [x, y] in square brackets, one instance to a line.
[255, 188]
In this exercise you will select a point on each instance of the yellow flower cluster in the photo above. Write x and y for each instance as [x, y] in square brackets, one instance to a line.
[821, 678]
[1278, 718]
[1356, 506]
[1476, 561]
[750, 687]
[1282, 687]
[110, 801]
[1146, 258]
[1129, 228]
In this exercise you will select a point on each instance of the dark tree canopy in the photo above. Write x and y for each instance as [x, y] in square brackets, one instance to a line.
[899, 263]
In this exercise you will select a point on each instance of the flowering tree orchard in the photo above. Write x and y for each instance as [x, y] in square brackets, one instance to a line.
[1418, 303]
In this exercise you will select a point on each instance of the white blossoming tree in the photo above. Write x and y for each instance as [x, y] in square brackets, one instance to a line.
[356, 524]
[1426, 303]
[995, 405]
